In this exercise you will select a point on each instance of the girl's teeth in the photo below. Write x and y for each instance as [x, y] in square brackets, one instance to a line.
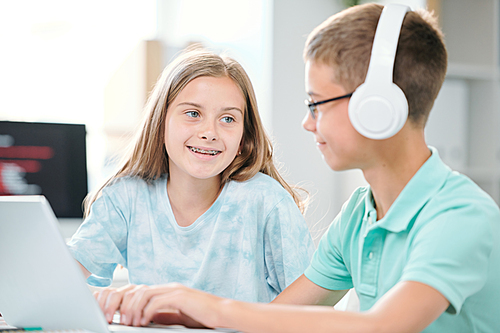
[197, 150]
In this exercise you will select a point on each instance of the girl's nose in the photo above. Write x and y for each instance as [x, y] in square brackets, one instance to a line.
[209, 137]
[208, 132]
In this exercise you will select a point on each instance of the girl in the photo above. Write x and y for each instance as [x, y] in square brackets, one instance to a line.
[198, 199]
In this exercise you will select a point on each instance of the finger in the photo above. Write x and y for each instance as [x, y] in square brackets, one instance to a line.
[125, 306]
[109, 299]
[135, 300]
[135, 310]
[101, 297]
[128, 304]
[195, 307]
[161, 301]
[165, 302]
[112, 304]
[140, 300]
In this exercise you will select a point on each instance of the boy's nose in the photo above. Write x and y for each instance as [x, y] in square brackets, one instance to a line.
[309, 123]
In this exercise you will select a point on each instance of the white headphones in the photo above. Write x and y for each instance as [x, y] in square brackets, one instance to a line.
[378, 108]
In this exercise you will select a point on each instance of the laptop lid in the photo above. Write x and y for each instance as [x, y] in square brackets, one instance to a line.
[41, 285]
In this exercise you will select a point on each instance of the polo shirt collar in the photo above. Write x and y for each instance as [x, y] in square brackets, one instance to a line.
[420, 189]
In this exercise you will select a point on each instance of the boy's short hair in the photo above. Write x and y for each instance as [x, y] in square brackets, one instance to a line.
[344, 42]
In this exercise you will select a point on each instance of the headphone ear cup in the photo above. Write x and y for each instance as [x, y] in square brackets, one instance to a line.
[378, 111]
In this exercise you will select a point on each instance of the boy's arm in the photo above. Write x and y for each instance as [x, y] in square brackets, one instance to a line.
[305, 292]
[408, 307]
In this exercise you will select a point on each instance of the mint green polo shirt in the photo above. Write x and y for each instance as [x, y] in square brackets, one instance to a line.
[442, 230]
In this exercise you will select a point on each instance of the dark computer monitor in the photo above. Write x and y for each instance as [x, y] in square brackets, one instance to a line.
[45, 158]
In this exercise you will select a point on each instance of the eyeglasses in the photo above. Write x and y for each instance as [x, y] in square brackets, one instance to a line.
[312, 106]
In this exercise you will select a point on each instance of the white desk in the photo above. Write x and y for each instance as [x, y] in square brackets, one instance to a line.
[125, 329]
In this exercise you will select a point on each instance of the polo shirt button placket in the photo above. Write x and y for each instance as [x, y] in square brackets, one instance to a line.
[372, 249]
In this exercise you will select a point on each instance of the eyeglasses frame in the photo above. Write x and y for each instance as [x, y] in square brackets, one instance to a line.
[312, 106]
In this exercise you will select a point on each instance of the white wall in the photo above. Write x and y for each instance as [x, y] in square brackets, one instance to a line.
[293, 21]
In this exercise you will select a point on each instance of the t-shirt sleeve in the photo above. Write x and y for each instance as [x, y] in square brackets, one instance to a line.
[327, 268]
[451, 254]
[100, 243]
[288, 244]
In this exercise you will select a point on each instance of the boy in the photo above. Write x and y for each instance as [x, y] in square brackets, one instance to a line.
[420, 244]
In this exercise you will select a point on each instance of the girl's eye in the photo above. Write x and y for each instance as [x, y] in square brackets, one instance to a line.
[193, 114]
[228, 119]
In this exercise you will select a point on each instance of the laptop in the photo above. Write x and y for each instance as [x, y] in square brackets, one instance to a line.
[41, 285]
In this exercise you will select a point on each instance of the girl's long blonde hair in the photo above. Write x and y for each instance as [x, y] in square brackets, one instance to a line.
[147, 157]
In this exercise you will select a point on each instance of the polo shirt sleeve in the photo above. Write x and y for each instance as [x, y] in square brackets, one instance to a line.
[288, 244]
[100, 243]
[450, 251]
[328, 269]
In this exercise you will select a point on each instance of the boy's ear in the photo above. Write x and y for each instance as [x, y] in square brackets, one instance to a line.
[378, 109]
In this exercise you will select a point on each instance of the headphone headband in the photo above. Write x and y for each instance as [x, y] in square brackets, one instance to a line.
[385, 43]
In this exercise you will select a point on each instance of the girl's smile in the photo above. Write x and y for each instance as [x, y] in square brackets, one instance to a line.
[204, 152]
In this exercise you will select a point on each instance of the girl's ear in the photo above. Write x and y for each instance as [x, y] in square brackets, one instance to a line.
[240, 148]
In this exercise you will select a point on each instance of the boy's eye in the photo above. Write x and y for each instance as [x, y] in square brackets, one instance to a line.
[228, 119]
[193, 114]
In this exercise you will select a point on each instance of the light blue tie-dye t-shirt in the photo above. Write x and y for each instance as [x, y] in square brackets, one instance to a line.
[249, 245]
